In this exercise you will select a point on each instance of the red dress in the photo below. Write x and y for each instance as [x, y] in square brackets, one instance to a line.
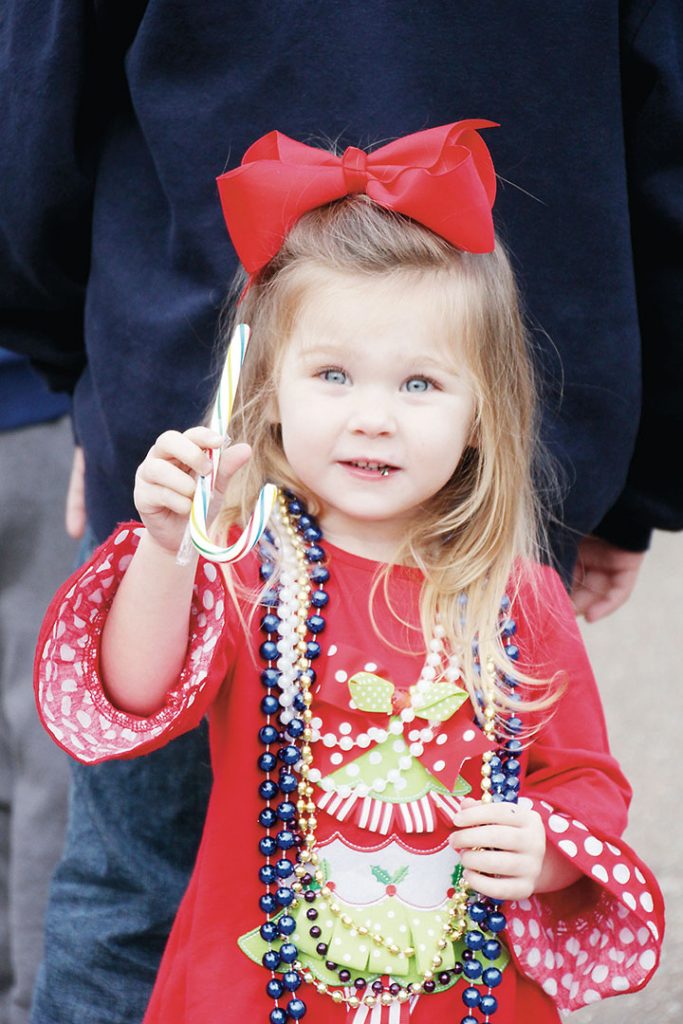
[597, 938]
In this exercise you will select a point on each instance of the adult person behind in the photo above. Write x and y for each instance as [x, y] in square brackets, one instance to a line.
[122, 115]
[35, 557]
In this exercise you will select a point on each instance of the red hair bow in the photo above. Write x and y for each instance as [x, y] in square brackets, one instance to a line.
[442, 177]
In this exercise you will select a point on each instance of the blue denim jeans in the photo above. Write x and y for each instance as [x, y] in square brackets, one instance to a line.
[132, 837]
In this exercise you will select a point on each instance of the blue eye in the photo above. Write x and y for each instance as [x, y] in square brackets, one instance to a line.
[333, 375]
[418, 385]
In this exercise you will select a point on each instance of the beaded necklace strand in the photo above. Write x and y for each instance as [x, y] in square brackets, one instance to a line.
[293, 614]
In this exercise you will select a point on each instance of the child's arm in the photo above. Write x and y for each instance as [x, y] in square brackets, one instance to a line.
[505, 854]
[145, 636]
[591, 926]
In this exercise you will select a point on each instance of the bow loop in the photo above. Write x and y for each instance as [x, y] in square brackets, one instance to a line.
[442, 177]
[438, 701]
[371, 693]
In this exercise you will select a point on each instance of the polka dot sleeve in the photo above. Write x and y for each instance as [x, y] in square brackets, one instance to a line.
[602, 935]
[72, 702]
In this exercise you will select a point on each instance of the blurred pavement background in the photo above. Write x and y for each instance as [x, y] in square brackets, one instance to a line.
[640, 674]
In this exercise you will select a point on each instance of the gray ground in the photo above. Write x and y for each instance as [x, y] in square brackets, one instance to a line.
[635, 658]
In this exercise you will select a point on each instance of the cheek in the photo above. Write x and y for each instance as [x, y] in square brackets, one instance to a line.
[450, 426]
[441, 445]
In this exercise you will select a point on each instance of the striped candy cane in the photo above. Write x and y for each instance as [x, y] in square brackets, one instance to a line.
[197, 530]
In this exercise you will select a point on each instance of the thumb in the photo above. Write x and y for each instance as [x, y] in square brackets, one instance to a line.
[75, 499]
[231, 459]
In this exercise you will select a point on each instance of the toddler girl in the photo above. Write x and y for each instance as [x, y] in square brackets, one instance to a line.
[415, 814]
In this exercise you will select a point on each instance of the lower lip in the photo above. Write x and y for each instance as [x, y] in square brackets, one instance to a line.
[366, 474]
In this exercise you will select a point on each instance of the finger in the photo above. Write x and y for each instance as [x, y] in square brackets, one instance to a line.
[231, 460]
[598, 603]
[179, 447]
[581, 598]
[597, 582]
[468, 801]
[497, 862]
[205, 437]
[155, 500]
[578, 576]
[491, 814]
[75, 499]
[74, 518]
[605, 606]
[159, 473]
[498, 888]
[619, 593]
[494, 837]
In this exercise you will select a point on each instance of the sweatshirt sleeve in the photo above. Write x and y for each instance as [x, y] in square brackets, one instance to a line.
[652, 74]
[603, 934]
[46, 173]
[71, 699]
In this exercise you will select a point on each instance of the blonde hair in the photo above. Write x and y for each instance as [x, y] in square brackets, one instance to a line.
[483, 530]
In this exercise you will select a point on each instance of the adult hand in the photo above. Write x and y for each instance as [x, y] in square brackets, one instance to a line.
[502, 848]
[604, 578]
[165, 481]
[74, 515]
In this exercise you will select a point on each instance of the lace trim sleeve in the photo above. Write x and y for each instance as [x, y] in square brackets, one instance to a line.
[600, 937]
[72, 702]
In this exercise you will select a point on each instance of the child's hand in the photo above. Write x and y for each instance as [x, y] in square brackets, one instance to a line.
[502, 848]
[165, 481]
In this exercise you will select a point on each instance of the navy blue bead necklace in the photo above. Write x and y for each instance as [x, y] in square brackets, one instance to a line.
[292, 621]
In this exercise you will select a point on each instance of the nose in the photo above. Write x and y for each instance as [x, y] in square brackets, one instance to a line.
[373, 415]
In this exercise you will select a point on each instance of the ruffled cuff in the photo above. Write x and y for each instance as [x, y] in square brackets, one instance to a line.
[590, 941]
[72, 702]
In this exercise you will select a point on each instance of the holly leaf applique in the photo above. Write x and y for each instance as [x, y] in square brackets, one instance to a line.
[382, 876]
[385, 877]
[400, 875]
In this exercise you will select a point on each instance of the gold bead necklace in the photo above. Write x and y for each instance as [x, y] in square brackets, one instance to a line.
[455, 924]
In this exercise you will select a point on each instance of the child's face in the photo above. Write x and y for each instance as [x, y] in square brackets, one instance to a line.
[376, 408]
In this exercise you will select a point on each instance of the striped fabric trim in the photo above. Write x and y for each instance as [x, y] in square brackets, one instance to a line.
[380, 816]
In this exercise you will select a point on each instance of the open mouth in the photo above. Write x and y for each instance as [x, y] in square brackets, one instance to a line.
[366, 466]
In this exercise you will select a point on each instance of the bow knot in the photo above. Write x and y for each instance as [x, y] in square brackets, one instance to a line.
[443, 178]
[355, 168]
[441, 706]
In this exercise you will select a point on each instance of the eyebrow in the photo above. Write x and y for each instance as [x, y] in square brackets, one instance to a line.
[425, 362]
[430, 362]
[313, 353]
[417, 363]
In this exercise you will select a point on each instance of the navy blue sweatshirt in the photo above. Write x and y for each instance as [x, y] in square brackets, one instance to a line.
[24, 399]
[117, 117]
